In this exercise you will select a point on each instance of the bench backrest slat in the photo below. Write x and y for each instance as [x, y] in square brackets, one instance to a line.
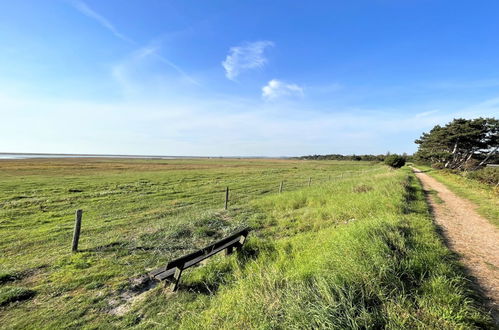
[206, 251]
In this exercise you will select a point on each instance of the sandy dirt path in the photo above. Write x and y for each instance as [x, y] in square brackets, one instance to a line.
[468, 234]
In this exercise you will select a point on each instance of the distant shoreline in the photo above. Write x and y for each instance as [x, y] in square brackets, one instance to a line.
[27, 155]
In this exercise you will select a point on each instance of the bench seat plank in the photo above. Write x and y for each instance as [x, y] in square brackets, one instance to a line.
[166, 272]
[212, 252]
[164, 275]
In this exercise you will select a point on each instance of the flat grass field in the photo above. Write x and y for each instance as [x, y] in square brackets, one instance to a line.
[356, 249]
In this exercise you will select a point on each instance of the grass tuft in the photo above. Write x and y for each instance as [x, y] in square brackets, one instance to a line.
[8, 277]
[12, 294]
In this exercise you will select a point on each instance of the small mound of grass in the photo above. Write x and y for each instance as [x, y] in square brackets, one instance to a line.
[8, 277]
[14, 293]
[362, 188]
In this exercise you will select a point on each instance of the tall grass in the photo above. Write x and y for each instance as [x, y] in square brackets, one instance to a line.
[333, 257]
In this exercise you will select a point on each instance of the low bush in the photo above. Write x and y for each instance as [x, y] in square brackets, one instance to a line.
[395, 161]
[488, 175]
[438, 166]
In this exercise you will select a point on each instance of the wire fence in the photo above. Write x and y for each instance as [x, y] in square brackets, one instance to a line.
[212, 196]
[242, 194]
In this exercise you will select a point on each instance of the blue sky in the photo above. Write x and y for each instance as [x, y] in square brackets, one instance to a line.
[245, 78]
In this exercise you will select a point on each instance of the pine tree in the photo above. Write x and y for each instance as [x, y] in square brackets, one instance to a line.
[460, 141]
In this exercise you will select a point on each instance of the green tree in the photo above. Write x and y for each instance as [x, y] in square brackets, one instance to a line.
[459, 142]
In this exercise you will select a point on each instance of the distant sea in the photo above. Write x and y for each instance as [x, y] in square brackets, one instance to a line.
[28, 156]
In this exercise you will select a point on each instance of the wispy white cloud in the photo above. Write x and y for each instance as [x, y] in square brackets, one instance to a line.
[425, 113]
[151, 50]
[83, 8]
[276, 89]
[138, 74]
[154, 51]
[245, 57]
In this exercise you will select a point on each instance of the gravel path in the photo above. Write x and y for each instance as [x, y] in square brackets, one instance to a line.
[468, 234]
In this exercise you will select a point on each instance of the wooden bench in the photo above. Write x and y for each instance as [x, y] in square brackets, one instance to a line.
[173, 269]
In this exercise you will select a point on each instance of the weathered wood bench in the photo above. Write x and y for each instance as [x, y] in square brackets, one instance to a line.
[173, 269]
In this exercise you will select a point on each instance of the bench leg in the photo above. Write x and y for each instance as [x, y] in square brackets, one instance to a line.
[241, 242]
[176, 279]
[229, 250]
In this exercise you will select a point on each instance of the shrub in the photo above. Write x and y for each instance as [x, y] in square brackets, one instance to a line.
[395, 161]
[488, 175]
[438, 166]
[471, 164]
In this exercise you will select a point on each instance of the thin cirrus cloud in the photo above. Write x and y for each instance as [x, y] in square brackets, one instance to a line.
[276, 89]
[245, 57]
[154, 51]
[133, 73]
[83, 8]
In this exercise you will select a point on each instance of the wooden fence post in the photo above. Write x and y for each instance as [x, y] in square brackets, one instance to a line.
[280, 187]
[309, 181]
[226, 198]
[76, 234]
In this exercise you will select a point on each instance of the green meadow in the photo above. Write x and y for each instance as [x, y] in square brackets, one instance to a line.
[355, 249]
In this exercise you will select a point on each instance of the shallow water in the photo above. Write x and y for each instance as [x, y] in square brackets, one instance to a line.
[28, 156]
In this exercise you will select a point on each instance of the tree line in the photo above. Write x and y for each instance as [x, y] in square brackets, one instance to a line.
[462, 144]
[376, 158]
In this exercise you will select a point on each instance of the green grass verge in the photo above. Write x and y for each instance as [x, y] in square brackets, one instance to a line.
[484, 196]
[333, 258]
